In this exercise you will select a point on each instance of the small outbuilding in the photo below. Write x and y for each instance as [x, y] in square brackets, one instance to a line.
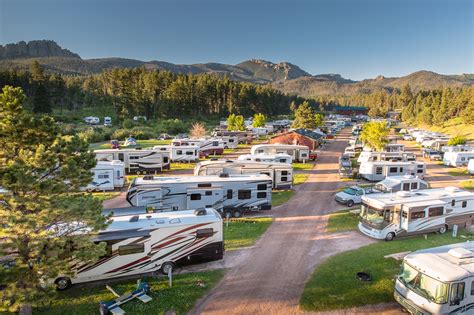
[305, 137]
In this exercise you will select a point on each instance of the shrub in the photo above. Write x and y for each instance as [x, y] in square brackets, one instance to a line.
[458, 140]
[128, 123]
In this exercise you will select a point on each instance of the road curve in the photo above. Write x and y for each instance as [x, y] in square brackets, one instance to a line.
[271, 279]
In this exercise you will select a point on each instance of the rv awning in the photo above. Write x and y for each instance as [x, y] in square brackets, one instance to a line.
[426, 203]
[119, 235]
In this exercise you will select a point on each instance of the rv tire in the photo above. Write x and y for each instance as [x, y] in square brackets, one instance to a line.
[443, 229]
[62, 283]
[166, 266]
[237, 214]
[390, 236]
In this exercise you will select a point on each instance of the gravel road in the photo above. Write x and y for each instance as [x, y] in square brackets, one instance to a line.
[271, 278]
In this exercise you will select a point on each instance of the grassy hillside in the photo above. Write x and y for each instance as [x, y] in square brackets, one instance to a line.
[453, 127]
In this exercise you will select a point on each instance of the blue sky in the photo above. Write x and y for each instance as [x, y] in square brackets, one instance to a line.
[356, 38]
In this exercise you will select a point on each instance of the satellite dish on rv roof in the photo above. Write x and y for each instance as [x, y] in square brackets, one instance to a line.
[452, 189]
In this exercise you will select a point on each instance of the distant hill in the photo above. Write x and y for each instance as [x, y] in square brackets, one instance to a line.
[283, 76]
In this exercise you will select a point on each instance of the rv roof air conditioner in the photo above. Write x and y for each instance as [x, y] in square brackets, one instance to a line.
[116, 162]
[403, 193]
[148, 177]
[461, 253]
[452, 189]
[199, 212]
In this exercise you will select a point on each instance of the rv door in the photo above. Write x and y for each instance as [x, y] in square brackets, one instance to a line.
[404, 213]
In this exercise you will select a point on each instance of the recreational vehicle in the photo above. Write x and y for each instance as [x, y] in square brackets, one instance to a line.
[108, 175]
[457, 148]
[401, 183]
[280, 173]
[230, 142]
[391, 147]
[470, 167]
[437, 280]
[369, 156]
[458, 158]
[281, 158]
[107, 121]
[384, 216]
[92, 120]
[212, 146]
[243, 137]
[229, 194]
[136, 161]
[299, 153]
[148, 243]
[377, 171]
[180, 153]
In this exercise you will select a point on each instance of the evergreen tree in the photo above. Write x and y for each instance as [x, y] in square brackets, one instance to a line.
[304, 117]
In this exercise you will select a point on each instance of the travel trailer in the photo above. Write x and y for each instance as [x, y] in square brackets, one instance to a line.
[108, 175]
[391, 147]
[92, 120]
[136, 161]
[457, 158]
[369, 156]
[457, 148]
[212, 146]
[437, 280]
[401, 183]
[470, 167]
[181, 153]
[299, 153]
[385, 216]
[107, 121]
[244, 137]
[230, 194]
[281, 158]
[280, 173]
[152, 242]
[230, 142]
[377, 171]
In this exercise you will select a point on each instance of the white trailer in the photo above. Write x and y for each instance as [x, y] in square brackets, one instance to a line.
[152, 242]
[280, 173]
[299, 153]
[391, 147]
[470, 167]
[457, 148]
[92, 120]
[457, 158]
[230, 142]
[136, 161]
[180, 153]
[214, 146]
[384, 216]
[107, 121]
[281, 158]
[369, 156]
[377, 171]
[108, 175]
[437, 280]
[230, 194]
[393, 184]
[244, 137]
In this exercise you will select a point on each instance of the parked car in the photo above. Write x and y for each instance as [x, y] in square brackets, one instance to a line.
[164, 136]
[408, 137]
[353, 195]
[350, 151]
[433, 155]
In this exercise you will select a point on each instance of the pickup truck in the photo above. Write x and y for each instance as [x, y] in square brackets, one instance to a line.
[353, 195]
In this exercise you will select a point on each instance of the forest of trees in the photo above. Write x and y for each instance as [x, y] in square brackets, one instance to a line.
[151, 93]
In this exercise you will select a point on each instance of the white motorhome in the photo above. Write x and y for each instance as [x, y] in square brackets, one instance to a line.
[457, 158]
[214, 146]
[377, 171]
[438, 280]
[230, 142]
[180, 153]
[108, 175]
[280, 173]
[369, 156]
[147, 243]
[136, 161]
[92, 120]
[384, 216]
[280, 158]
[107, 121]
[230, 194]
[299, 153]
[393, 184]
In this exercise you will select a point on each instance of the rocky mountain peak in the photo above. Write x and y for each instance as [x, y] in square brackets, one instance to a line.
[35, 49]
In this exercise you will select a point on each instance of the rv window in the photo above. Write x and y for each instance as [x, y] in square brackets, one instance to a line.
[304, 155]
[404, 214]
[229, 194]
[165, 159]
[261, 195]
[174, 221]
[231, 140]
[118, 174]
[282, 161]
[284, 173]
[435, 212]
[378, 170]
[472, 288]
[406, 186]
[131, 249]
[179, 152]
[189, 153]
[204, 232]
[103, 176]
[120, 156]
[457, 293]
[133, 157]
[453, 203]
[215, 143]
[417, 215]
[419, 171]
[393, 170]
[205, 185]
[414, 185]
[284, 178]
[244, 194]
[208, 193]
[262, 187]
[401, 169]
[195, 197]
[464, 204]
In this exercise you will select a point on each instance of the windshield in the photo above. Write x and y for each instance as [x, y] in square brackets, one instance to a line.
[423, 285]
[371, 215]
[350, 191]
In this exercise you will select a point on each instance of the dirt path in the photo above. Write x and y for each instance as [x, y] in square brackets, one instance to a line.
[271, 278]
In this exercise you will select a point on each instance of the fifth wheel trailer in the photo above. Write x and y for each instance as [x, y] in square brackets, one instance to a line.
[230, 194]
[136, 161]
[180, 153]
[369, 156]
[401, 183]
[280, 173]
[147, 243]
[385, 216]
[299, 153]
[281, 158]
[377, 171]
[437, 280]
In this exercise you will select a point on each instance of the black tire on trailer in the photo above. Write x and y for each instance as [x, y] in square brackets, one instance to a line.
[390, 236]
[443, 229]
[237, 213]
[62, 283]
[166, 266]
[227, 214]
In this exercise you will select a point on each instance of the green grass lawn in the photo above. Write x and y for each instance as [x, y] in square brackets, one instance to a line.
[282, 196]
[299, 179]
[342, 221]
[182, 166]
[102, 196]
[302, 166]
[458, 172]
[180, 298]
[244, 232]
[468, 184]
[333, 284]
[140, 143]
[453, 127]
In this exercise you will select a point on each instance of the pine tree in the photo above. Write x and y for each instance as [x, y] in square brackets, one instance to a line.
[304, 117]
[42, 209]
